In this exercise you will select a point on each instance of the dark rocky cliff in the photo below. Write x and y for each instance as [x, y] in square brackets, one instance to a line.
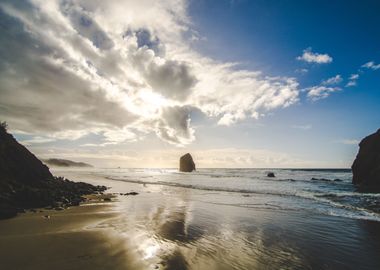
[366, 167]
[25, 182]
[18, 164]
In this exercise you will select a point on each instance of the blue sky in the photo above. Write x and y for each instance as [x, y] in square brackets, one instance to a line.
[269, 35]
[236, 83]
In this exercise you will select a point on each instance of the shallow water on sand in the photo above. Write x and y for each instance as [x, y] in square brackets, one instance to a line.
[240, 219]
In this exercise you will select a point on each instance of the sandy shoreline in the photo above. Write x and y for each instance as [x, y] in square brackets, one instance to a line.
[175, 228]
[68, 239]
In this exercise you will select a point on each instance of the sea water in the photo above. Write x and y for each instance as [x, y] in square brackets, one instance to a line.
[242, 219]
[324, 191]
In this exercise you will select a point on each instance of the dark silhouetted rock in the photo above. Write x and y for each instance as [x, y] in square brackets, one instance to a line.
[133, 193]
[270, 174]
[26, 183]
[57, 162]
[366, 167]
[186, 163]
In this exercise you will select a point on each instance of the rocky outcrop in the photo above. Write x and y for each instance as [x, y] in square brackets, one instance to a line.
[25, 182]
[186, 163]
[366, 167]
[58, 162]
[271, 174]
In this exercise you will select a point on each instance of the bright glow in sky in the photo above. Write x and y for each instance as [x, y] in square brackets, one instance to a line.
[237, 83]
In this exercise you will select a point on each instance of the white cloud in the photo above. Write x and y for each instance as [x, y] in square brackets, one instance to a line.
[122, 69]
[351, 83]
[325, 89]
[333, 80]
[352, 80]
[354, 76]
[320, 92]
[229, 119]
[371, 65]
[310, 57]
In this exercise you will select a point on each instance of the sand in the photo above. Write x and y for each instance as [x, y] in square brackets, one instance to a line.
[75, 238]
[176, 228]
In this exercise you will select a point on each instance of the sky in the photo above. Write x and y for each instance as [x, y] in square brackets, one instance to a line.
[236, 83]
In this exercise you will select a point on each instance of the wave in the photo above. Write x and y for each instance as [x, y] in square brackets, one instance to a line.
[322, 170]
[312, 175]
[235, 190]
[348, 194]
[198, 187]
[358, 212]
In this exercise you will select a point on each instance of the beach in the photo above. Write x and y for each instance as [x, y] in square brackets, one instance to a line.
[189, 135]
[176, 227]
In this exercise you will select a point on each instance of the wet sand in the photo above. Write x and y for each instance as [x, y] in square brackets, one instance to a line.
[177, 228]
[67, 239]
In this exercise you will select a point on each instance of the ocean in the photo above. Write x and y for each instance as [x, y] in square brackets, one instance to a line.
[242, 219]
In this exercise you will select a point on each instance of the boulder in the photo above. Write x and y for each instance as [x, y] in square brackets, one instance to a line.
[186, 163]
[133, 193]
[366, 167]
[270, 174]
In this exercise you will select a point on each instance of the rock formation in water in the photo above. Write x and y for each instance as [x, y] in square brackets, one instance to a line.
[271, 174]
[25, 182]
[186, 163]
[366, 167]
[65, 163]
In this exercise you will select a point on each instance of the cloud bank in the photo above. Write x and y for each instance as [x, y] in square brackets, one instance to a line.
[122, 69]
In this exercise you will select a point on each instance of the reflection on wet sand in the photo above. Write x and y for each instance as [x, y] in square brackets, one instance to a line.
[172, 226]
[169, 237]
[169, 224]
[172, 229]
[174, 261]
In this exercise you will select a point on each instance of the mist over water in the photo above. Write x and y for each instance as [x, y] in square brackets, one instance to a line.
[242, 219]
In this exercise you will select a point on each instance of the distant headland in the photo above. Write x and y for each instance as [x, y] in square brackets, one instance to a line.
[58, 162]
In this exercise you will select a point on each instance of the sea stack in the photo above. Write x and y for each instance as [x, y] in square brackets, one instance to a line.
[186, 163]
[366, 167]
